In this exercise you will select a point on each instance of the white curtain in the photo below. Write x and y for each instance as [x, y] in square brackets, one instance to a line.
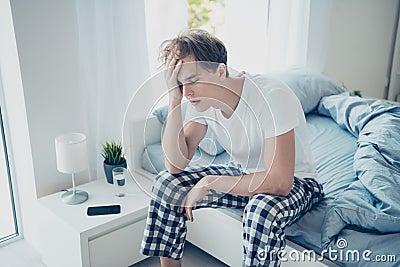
[164, 20]
[261, 35]
[287, 34]
[113, 60]
[244, 34]
[266, 35]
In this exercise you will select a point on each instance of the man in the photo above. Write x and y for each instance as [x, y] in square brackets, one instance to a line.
[259, 122]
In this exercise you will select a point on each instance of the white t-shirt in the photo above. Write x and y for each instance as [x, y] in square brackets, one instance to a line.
[267, 108]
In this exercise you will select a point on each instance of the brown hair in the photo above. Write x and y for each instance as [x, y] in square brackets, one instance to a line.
[200, 44]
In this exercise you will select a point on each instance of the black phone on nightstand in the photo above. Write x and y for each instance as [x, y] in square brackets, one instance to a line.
[103, 210]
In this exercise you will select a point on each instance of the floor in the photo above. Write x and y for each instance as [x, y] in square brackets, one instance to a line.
[193, 257]
[21, 254]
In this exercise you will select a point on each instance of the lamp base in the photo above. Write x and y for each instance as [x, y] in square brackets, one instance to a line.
[71, 199]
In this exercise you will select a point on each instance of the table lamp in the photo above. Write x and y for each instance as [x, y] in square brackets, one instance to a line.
[71, 154]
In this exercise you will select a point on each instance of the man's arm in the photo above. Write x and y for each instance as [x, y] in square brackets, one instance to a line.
[179, 143]
[279, 160]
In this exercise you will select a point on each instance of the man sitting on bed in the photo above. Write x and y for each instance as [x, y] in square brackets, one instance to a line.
[259, 122]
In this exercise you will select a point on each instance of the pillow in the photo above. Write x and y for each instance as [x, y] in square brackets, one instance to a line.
[309, 86]
[209, 144]
[153, 158]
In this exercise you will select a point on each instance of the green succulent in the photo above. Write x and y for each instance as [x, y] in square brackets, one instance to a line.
[354, 92]
[357, 93]
[112, 153]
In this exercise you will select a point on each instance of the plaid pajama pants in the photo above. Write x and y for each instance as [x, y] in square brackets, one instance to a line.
[264, 219]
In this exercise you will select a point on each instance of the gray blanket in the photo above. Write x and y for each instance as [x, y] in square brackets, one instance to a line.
[373, 200]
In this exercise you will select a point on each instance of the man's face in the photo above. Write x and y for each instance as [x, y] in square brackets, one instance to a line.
[200, 86]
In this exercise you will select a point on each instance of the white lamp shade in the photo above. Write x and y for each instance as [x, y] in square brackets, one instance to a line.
[71, 153]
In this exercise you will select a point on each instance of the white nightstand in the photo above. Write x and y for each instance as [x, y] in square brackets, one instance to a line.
[71, 238]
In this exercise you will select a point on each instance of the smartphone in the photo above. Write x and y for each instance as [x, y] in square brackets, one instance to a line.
[103, 210]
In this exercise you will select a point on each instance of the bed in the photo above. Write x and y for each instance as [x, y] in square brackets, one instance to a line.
[356, 146]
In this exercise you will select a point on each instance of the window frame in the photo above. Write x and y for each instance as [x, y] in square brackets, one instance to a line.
[6, 147]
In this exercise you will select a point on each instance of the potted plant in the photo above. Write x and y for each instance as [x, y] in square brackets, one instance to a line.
[113, 157]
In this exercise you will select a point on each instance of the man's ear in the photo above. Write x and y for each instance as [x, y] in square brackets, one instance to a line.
[221, 70]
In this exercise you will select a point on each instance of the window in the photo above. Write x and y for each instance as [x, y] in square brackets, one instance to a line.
[240, 25]
[206, 14]
[8, 219]
[261, 36]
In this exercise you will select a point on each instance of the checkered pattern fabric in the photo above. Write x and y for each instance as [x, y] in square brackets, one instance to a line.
[264, 219]
[266, 216]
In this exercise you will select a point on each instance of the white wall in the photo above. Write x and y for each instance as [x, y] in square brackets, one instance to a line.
[47, 38]
[57, 78]
[47, 41]
[318, 36]
[394, 88]
[361, 36]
